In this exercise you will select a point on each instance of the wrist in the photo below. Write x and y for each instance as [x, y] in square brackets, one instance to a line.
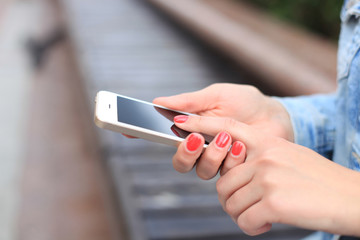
[351, 213]
[280, 115]
[343, 204]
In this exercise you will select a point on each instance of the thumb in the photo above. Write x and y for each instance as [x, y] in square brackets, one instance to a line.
[193, 102]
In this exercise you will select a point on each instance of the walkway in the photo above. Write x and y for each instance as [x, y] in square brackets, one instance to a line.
[126, 46]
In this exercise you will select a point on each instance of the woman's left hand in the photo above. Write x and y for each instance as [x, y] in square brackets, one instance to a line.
[279, 182]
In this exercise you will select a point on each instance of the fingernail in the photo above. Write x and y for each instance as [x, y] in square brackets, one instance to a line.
[181, 118]
[236, 148]
[174, 131]
[222, 140]
[193, 143]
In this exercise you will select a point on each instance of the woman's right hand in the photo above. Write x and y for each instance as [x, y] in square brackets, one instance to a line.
[243, 103]
[276, 181]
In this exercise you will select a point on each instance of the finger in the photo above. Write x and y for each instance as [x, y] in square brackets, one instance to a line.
[242, 199]
[235, 157]
[128, 136]
[193, 102]
[213, 125]
[255, 220]
[209, 163]
[188, 152]
[236, 178]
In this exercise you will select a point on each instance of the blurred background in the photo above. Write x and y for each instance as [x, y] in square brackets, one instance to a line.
[322, 19]
[62, 178]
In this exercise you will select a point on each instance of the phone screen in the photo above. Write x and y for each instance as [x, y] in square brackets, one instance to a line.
[149, 117]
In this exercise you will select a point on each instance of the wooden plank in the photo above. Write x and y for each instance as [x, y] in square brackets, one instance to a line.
[170, 204]
[318, 52]
[127, 200]
[221, 227]
[254, 50]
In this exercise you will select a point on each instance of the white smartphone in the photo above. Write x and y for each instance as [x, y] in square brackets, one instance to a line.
[138, 118]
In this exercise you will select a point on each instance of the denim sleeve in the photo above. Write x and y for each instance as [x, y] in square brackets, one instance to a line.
[313, 121]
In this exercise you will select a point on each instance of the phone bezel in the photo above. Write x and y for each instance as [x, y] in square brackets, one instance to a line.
[106, 118]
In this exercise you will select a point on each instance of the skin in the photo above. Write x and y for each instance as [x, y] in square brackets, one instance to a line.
[272, 180]
[243, 103]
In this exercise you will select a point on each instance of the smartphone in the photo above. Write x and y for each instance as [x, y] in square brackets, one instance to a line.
[138, 118]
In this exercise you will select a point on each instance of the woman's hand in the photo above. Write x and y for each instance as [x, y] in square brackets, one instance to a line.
[241, 102]
[279, 182]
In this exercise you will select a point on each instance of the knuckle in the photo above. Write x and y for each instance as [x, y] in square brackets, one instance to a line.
[230, 123]
[248, 223]
[274, 204]
[266, 180]
[198, 121]
[229, 207]
[209, 164]
[268, 158]
[251, 89]
[251, 232]
[244, 222]
[204, 174]
[182, 164]
[213, 162]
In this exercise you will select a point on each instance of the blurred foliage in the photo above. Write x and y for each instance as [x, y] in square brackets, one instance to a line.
[321, 16]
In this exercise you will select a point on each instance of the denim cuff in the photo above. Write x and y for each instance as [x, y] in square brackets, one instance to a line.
[312, 121]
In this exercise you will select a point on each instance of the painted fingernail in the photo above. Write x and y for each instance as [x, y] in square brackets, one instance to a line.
[174, 131]
[193, 143]
[237, 148]
[181, 118]
[222, 140]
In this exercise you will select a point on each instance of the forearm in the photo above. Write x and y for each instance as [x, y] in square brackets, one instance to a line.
[347, 218]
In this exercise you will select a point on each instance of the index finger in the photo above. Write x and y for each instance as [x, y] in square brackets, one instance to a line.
[192, 102]
[213, 125]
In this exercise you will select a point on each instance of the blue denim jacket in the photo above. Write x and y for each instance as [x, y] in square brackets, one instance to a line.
[330, 124]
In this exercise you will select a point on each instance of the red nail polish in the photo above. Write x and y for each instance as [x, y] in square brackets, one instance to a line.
[174, 131]
[193, 142]
[222, 140]
[181, 118]
[236, 148]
